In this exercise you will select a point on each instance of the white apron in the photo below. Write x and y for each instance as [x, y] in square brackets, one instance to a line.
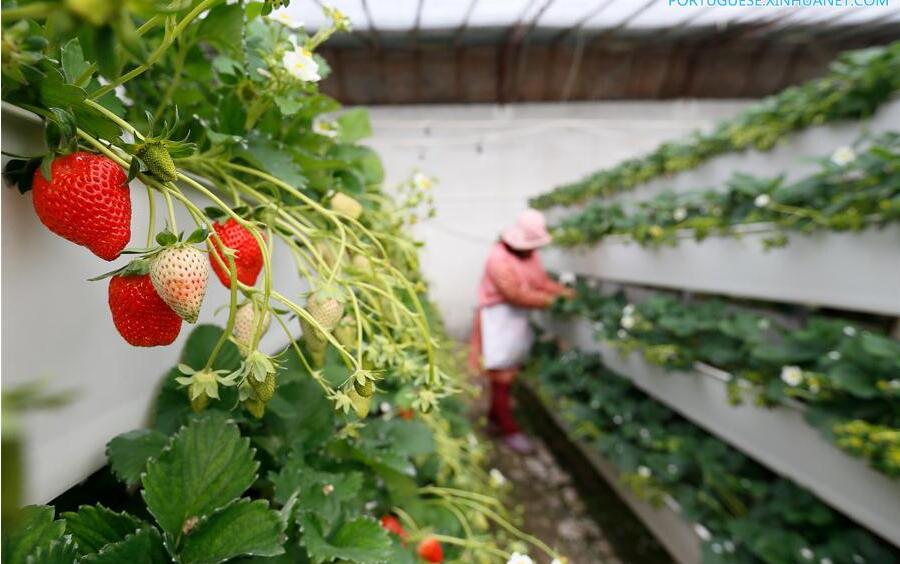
[506, 336]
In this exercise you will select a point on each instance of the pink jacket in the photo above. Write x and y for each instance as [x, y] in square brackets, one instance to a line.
[509, 279]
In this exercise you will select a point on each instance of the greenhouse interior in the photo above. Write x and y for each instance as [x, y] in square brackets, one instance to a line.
[450, 281]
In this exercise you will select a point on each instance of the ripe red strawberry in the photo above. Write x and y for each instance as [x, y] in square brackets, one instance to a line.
[430, 550]
[392, 525]
[179, 274]
[248, 258]
[86, 201]
[139, 314]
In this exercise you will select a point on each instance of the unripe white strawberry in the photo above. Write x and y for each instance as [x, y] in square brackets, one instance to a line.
[179, 275]
[345, 332]
[245, 325]
[342, 203]
[326, 306]
[315, 341]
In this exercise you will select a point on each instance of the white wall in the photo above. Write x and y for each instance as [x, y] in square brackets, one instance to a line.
[528, 149]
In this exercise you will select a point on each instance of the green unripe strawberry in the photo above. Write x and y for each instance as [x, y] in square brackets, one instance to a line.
[265, 389]
[360, 403]
[316, 343]
[365, 390]
[156, 156]
[345, 332]
[199, 403]
[346, 205]
[255, 407]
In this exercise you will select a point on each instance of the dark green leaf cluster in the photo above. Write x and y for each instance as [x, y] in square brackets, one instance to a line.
[842, 371]
[745, 513]
[840, 196]
[858, 83]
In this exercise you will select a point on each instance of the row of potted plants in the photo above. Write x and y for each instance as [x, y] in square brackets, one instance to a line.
[855, 188]
[846, 374]
[741, 511]
[858, 83]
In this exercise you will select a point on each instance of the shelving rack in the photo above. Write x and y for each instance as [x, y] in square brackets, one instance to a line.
[777, 437]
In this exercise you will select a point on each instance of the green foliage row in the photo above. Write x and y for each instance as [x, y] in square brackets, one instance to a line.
[850, 192]
[843, 372]
[305, 483]
[857, 84]
[743, 513]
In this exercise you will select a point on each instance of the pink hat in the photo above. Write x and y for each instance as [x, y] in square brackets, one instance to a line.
[528, 233]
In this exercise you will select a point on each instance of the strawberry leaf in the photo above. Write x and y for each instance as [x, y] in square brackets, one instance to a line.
[34, 529]
[61, 551]
[242, 528]
[93, 527]
[144, 547]
[206, 466]
[128, 453]
[360, 540]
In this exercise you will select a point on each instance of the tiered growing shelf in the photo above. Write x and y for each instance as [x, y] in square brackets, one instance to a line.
[850, 271]
[777, 437]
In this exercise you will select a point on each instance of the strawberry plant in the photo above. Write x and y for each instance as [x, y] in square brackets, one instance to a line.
[856, 188]
[843, 372]
[742, 512]
[212, 107]
[859, 82]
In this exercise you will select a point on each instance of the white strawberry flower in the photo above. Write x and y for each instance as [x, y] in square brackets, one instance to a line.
[627, 322]
[834, 355]
[300, 63]
[825, 560]
[337, 17]
[557, 561]
[792, 375]
[621, 333]
[567, 278]
[285, 19]
[762, 200]
[497, 479]
[628, 310]
[843, 156]
[807, 553]
[849, 331]
[422, 182]
[679, 214]
[729, 546]
[518, 558]
[325, 127]
[644, 472]
[702, 532]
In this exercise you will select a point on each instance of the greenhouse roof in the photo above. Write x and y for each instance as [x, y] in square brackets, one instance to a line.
[426, 15]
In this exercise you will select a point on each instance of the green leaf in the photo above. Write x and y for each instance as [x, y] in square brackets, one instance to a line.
[57, 552]
[55, 93]
[242, 528]
[129, 452]
[166, 237]
[273, 158]
[95, 526]
[33, 528]
[361, 540]
[206, 466]
[355, 125]
[73, 63]
[223, 28]
[144, 547]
